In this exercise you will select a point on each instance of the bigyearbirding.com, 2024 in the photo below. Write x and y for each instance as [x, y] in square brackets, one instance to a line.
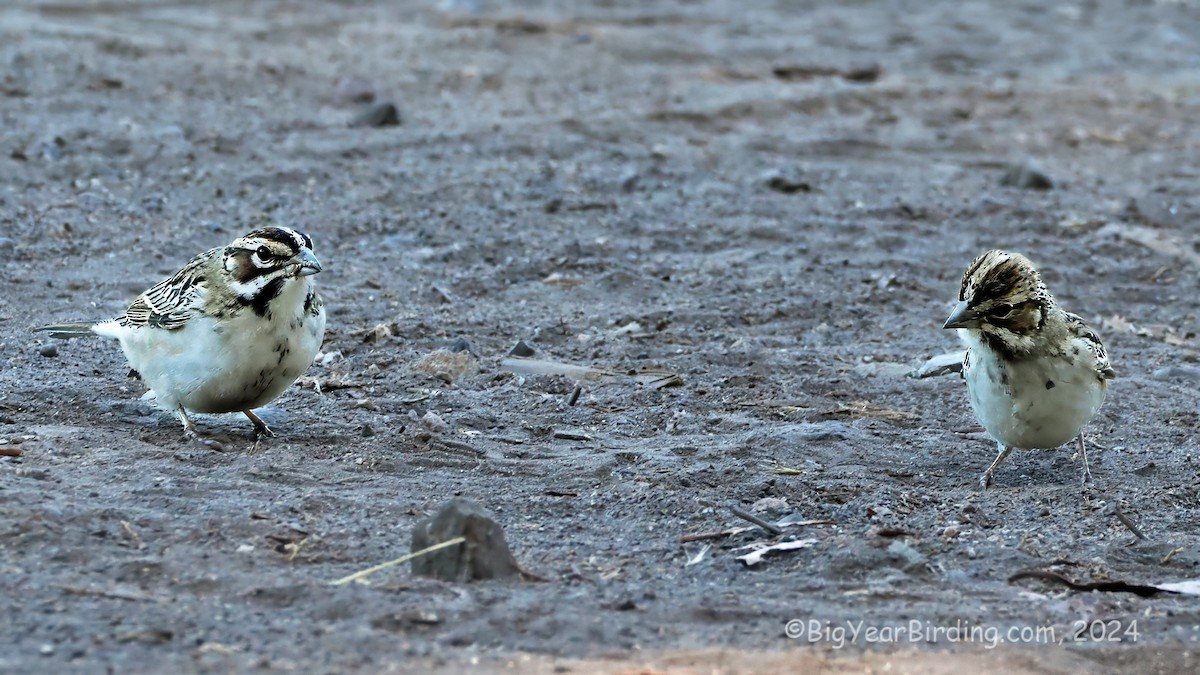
[838, 634]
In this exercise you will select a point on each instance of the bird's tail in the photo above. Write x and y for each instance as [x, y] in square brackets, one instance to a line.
[67, 331]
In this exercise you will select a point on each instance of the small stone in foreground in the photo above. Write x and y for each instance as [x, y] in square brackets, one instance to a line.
[379, 115]
[484, 555]
[446, 365]
[787, 182]
[522, 350]
[49, 351]
[1025, 176]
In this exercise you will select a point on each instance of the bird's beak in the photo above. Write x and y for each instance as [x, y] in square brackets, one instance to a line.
[962, 317]
[308, 263]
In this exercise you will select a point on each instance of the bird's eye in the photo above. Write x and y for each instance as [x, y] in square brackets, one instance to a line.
[263, 252]
[1003, 310]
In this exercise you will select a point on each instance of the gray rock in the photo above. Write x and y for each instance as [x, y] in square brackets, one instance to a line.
[49, 351]
[379, 115]
[786, 181]
[522, 350]
[484, 555]
[1027, 177]
[461, 345]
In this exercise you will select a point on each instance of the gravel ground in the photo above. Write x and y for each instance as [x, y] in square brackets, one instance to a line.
[771, 201]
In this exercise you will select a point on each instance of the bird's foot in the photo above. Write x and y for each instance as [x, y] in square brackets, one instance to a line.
[189, 430]
[261, 430]
[988, 476]
[1087, 471]
[209, 443]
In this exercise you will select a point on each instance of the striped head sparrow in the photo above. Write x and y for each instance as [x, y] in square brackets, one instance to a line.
[1035, 374]
[229, 332]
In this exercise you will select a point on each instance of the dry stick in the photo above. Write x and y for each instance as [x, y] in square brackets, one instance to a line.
[750, 517]
[398, 561]
[1128, 523]
[106, 593]
[11, 452]
[701, 536]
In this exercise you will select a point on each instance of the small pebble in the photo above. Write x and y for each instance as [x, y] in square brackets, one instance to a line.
[434, 422]
[787, 182]
[380, 115]
[769, 504]
[460, 345]
[522, 350]
[49, 351]
[1027, 177]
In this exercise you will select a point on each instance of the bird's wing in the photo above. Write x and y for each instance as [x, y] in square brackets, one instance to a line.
[170, 303]
[1081, 330]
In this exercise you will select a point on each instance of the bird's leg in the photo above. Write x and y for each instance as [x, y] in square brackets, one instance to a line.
[1087, 472]
[986, 479]
[189, 430]
[261, 430]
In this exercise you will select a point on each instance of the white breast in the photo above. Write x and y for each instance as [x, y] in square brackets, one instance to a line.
[1033, 403]
[236, 363]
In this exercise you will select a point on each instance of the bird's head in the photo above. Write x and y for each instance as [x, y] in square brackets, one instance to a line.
[270, 253]
[1003, 298]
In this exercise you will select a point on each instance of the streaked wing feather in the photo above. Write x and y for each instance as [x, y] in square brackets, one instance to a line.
[1080, 329]
[170, 303]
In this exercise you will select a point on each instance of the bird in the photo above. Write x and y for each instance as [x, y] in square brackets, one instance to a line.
[1035, 374]
[228, 332]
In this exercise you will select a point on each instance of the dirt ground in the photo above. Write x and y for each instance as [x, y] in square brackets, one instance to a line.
[773, 201]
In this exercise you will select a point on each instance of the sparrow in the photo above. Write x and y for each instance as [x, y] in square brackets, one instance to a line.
[229, 332]
[1035, 374]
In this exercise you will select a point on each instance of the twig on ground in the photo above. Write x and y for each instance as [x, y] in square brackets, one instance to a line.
[1170, 554]
[750, 517]
[357, 576]
[107, 593]
[1128, 523]
[720, 534]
